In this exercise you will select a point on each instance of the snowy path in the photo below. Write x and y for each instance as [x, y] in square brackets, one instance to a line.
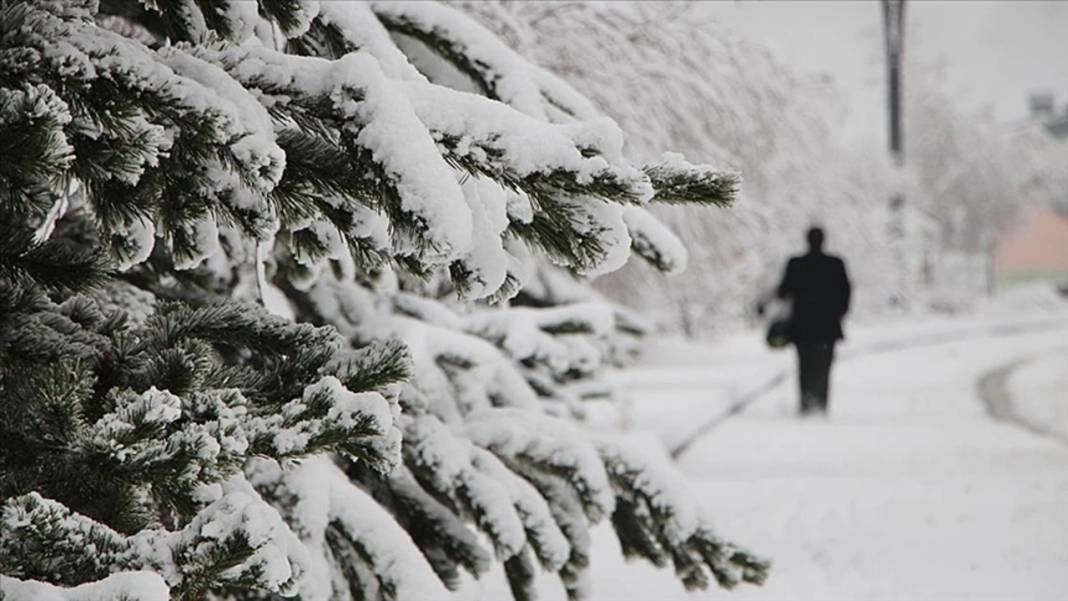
[909, 491]
[998, 396]
[1038, 389]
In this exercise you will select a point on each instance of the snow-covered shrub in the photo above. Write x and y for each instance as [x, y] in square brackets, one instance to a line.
[272, 317]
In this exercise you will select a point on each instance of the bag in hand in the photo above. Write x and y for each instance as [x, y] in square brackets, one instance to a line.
[779, 314]
[779, 333]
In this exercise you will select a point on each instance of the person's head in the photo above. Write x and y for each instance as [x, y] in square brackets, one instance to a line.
[815, 239]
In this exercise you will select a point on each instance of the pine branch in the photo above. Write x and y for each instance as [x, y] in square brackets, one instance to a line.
[34, 150]
[441, 535]
[489, 159]
[234, 325]
[54, 265]
[654, 525]
[372, 367]
[521, 571]
[679, 182]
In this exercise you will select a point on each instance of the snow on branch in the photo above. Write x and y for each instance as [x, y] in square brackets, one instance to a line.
[141, 585]
[466, 370]
[344, 27]
[344, 529]
[542, 335]
[373, 117]
[329, 417]
[653, 241]
[371, 367]
[486, 137]
[503, 75]
[175, 450]
[549, 444]
[131, 113]
[144, 437]
[237, 541]
[35, 116]
[655, 518]
[677, 182]
[500, 73]
[444, 464]
[442, 535]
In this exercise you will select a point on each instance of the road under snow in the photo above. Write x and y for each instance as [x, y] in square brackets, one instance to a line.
[910, 490]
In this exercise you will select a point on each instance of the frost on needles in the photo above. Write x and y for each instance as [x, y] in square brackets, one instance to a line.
[289, 306]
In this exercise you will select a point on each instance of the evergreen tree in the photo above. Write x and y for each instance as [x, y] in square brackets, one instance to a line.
[274, 316]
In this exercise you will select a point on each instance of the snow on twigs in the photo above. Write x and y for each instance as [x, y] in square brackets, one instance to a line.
[503, 74]
[131, 586]
[333, 519]
[520, 146]
[379, 116]
[654, 241]
[548, 442]
[358, 25]
[255, 147]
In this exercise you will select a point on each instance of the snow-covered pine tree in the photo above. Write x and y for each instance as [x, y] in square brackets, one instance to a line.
[255, 328]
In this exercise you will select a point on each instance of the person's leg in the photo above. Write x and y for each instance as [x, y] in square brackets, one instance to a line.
[827, 378]
[824, 358]
[804, 376]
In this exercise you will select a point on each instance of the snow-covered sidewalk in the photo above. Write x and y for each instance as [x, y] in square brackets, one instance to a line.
[1038, 388]
[909, 491]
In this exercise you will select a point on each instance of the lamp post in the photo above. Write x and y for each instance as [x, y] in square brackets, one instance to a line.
[894, 35]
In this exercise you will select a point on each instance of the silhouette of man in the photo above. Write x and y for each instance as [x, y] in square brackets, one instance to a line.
[818, 289]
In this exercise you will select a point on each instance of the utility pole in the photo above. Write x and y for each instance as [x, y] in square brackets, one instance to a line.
[894, 32]
[894, 35]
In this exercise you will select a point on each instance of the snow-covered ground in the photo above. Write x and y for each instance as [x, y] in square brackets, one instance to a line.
[910, 490]
[1039, 389]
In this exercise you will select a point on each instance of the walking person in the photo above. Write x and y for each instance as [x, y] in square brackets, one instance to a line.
[817, 286]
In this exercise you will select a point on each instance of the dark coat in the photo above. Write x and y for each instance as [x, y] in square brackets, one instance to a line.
[819, 290]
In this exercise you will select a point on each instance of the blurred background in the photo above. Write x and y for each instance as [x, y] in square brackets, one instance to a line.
[795, 95]
[942, 470]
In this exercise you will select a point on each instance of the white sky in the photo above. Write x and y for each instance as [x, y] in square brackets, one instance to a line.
[994, 52]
